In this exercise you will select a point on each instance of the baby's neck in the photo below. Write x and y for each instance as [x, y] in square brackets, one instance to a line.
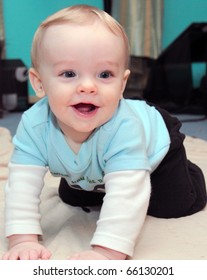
[74, 138]
[75, 146]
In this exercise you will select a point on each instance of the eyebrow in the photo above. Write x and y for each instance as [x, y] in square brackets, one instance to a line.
[109, 62]
[101, 63]
[64, 62]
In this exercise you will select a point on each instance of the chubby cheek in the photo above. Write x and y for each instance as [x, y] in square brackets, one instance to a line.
[56, 105]
[58, 97]
[111, 106]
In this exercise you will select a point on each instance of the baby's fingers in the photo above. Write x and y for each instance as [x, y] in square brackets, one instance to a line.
[29, 255]
[46, 254]
[10, 256]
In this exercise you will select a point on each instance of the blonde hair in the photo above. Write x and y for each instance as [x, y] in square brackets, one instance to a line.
[78, 14]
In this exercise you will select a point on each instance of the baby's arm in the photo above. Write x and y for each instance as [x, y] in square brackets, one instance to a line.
[122, 216]
[22, 216]
[25, 247]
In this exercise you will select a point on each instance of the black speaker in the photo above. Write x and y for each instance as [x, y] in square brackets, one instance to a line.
[14, 84]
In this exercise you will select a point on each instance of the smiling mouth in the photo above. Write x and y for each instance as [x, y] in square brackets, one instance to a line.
[85, 108]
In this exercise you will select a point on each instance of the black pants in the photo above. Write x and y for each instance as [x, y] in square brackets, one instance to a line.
[178, 185]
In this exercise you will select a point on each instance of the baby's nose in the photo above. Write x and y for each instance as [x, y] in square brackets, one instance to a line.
[87, 86]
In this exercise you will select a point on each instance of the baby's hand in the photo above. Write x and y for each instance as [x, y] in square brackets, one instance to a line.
[27, 251]
[98, 253]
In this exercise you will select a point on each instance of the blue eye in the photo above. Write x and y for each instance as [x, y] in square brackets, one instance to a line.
[69, 74]
[105, 75]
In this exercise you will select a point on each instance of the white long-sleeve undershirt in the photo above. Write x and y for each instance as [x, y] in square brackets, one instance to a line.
[122, 213]
[23, 189]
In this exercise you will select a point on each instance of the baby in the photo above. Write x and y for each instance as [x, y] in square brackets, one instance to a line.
[125, 155]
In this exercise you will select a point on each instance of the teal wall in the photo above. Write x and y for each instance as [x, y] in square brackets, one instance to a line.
[178, 15]
[21, 19]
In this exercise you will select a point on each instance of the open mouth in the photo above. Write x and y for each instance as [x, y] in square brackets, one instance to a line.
[85, 108]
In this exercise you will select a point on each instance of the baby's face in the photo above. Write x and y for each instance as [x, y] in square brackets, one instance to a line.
[82, 70]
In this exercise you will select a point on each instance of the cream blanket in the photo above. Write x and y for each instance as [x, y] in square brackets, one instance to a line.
[68, 229]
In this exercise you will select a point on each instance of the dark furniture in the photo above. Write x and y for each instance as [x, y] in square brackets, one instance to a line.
[13, 80]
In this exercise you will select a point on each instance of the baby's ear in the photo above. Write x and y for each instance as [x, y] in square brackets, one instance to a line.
[125, 78]
[36, 83]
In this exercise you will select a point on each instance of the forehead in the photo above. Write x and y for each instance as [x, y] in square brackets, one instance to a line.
[69, 36]
[76, 32]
